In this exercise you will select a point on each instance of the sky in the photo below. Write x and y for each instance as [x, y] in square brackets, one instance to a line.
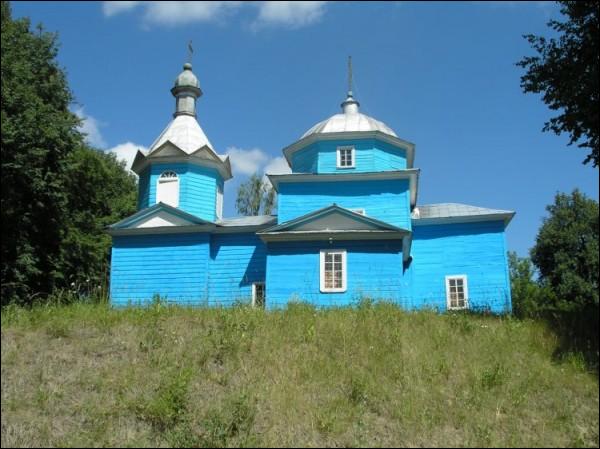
[442, 75]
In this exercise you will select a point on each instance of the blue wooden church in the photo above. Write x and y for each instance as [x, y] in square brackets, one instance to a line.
[348, 225]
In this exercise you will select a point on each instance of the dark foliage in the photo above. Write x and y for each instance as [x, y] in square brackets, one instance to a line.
[565, 71]
[566, 255]
[57, 194]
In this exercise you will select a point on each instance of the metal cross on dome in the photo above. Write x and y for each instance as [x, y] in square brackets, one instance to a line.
[349, 74]
[190, 51]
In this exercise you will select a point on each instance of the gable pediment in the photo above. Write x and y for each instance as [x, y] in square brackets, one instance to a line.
[334, 221]
[333, 218]
[160, 216]
[160, 219]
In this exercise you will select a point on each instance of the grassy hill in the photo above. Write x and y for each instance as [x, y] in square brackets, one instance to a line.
[374, 376]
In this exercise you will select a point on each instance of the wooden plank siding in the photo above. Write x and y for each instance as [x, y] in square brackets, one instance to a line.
[371, 155]
[374, 270]
[174, 266]
[477, 250]
[197, 188]
[236, 261]
[386, 200]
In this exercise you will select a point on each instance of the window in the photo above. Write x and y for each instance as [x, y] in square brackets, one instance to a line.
[333, 270]
[219, 206]
[167, 189]
[345, 157]
[358, 211]
[457, 293]
[258, 294]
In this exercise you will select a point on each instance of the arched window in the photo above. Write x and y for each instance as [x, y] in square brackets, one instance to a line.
[167, 189]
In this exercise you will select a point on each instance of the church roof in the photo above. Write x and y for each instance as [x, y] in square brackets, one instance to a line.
[456, 212]
[185, 133]
[350, 120]
[255, 220]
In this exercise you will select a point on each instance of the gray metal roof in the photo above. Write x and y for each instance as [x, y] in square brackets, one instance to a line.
[185, 133]
[187, 77]
[257, 220]
[350, 120]
[458, 212]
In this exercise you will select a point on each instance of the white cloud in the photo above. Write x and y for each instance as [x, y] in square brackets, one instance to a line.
[255, 160]
[277, 166]
[91, 128]
[292, 14]
[514, 4]
[112, 8]
[126, 152]
[246, 162]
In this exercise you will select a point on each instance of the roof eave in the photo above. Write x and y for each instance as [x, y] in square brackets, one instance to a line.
[285, 236]
[504, 217]
[222, 166]
[412, 174]
[206, 228]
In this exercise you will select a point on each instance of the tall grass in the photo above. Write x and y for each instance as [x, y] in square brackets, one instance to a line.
[85, 374]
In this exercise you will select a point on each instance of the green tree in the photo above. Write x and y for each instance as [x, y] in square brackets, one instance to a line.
[37, 137]
[102, 192]
[57, 194]
[566, 255]
[254, 197]
[565, 70]
[526, 292]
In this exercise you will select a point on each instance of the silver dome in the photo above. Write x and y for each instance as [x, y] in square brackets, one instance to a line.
[350, 120]
[187, 77]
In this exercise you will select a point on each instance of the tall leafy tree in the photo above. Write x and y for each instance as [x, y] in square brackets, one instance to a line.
[101, 192]
[566, 255]
[37, 137]
[565, 71]
[57, 194]
[255, 197]
[527, 300]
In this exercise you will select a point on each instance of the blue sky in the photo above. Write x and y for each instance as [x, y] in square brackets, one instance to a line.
[442, 75]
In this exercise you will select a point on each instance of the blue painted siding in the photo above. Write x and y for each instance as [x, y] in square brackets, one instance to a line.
[197, 188]
[200, 192]
[305, 160]
[374, 270]
[371, 155]
[477, 250]
[174, 266]
[388, 200]
[236, 261]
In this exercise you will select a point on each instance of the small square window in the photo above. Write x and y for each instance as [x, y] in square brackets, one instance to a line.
[345, 157]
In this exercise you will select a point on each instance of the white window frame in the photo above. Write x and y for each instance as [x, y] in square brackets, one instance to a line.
[464, 279]
[344, 286]
[254, 284]
[352, 155]
[164, 179]
[359, 211]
